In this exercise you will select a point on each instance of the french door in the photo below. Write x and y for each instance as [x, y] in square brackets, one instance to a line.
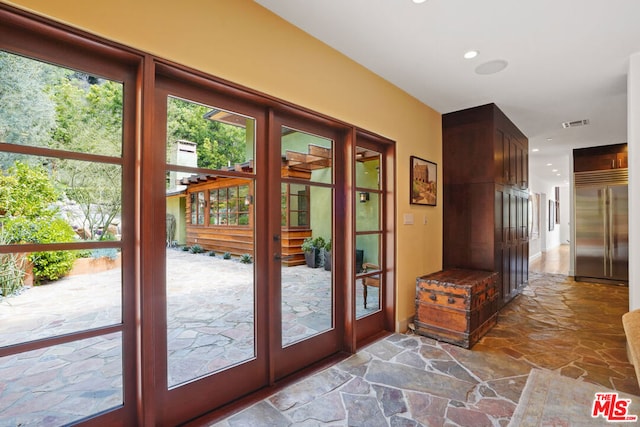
[232, 304]
[67, 229]
[308, 287]
[205, 267]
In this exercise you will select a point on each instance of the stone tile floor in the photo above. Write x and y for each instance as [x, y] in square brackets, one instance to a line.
[409, 380]
[557, 324]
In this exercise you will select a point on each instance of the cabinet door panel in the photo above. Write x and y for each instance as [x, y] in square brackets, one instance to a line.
[513, 265]
[595, 162]
[501, 157]
[622, 160]
[506, 273]
[525, 166]
[513, 217]
[517, 169]
[499, 226]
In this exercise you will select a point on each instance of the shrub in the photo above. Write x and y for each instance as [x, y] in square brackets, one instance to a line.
[186, 248]
[12, 270]
[111, 253]
[85, 253]
[212, 253]
[51, 265]
[26, 192]
[246, 259]
[196, 249]
[318, 242]
[307, 244]
[227, 255]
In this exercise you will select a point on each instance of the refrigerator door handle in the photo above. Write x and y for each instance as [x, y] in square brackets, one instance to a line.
[610, 229]
[605, 235]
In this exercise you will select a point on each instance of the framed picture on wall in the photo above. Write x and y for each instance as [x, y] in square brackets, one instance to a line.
[552, 214]
[423, 181]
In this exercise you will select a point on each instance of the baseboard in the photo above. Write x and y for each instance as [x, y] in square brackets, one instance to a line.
[403, 325]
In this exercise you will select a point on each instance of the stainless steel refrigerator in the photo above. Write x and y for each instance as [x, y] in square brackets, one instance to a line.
[602, 226]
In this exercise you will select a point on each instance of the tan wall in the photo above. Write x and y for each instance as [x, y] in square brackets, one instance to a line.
[240, 41]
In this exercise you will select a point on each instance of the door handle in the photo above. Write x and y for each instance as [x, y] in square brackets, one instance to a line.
[610, 229]
[604, 196]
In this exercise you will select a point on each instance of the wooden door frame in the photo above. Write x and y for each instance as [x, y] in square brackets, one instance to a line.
[308, 351]
[180, 403]
[41, 39]
[374, 325]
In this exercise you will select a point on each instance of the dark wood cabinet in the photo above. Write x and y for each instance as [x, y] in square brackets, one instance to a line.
[486, 199]
[600, 158]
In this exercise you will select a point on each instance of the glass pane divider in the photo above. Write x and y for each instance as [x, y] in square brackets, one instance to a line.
[210, 172]
[43, 247]
[59, 339]
[59, 154]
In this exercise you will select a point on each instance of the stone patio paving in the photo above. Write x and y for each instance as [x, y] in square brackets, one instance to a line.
[210, 304]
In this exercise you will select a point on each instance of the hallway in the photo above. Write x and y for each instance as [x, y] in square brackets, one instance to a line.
[556, 324]
[554, 261]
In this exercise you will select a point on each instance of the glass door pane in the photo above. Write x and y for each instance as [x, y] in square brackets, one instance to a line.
[62, 311]
[368, 239]
[306, 234]
[210, 275]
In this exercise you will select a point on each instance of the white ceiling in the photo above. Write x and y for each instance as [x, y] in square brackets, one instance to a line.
[567, 60]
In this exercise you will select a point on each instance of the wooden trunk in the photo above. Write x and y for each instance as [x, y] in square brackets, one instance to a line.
[457, 306]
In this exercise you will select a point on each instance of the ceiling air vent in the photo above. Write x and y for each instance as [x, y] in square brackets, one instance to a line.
[575, 123]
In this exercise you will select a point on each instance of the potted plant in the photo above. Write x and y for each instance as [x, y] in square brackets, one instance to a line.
[312, 251]
[327, 255]
[309, 251]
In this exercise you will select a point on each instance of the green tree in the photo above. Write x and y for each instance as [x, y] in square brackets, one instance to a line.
[218, 144]
[26, 111]
[96, 187]
[89, 119]
[88, 116]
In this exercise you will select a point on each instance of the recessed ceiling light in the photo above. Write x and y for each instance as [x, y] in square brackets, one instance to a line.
[557, 174]
[535, 150]
[492, 67]
[549, 139]
[554, 170]
[470, 54]
[419, 1]
[549, 164]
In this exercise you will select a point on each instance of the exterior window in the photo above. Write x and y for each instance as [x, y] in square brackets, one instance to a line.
[295, 206]
[229, 205]
[197, 208]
